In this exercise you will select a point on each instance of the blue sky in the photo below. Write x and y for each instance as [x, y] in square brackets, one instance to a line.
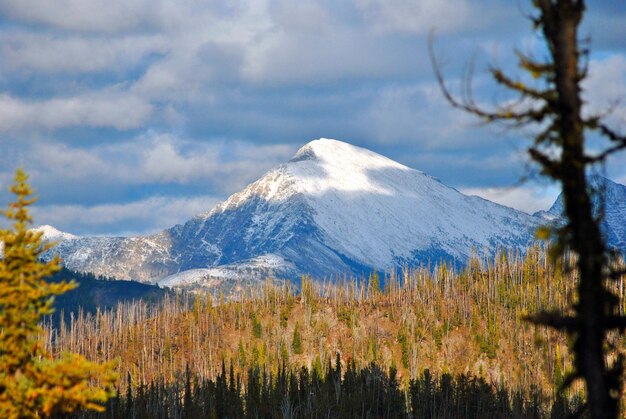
[134, 115]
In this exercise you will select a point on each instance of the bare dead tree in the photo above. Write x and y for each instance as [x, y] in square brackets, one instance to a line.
[560, 151]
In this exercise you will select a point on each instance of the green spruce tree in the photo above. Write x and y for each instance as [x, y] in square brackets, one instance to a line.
[34, 384]
[296, 344]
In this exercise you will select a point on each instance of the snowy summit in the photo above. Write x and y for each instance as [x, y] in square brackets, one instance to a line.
[333, 209]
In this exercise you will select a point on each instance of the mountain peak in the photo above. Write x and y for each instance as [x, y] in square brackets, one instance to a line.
[333, 209]
[52, 233]
[602, 188]
[341, 155]
[599, 182]
[326, 149]
[608, 196]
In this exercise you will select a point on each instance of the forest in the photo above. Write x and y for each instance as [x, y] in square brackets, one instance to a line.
[433, 342]
[532, 334]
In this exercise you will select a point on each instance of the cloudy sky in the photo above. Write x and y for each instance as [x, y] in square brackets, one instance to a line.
[134, 115]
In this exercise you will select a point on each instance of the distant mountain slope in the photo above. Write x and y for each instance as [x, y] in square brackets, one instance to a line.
[95, 293]
[611, 197]
[332, 209]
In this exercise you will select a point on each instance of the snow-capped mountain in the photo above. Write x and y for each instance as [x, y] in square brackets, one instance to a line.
[52, 234]
[609, 197]
[333, 209]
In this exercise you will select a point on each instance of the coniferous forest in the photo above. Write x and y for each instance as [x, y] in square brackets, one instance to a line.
[368, 392]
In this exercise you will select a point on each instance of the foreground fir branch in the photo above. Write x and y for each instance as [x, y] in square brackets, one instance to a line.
[33, 383]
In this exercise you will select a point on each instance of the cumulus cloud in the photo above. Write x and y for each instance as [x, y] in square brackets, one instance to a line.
[227, 163]
[148, 164]
[528, 199]
[101, 109]
[136, 217]
[52, 53]
[89, 16]
[418, 113]
[605, 88]
[418, 16]
[121, 101]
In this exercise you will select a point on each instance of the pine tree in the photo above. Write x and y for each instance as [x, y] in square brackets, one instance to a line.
[296, 344]
[32, 382]
[374, 283]
[257, 328]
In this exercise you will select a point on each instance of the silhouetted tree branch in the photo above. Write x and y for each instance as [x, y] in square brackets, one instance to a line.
[559, 150]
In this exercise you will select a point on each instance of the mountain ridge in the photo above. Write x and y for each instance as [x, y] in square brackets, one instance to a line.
[608, 196]
[332, 209]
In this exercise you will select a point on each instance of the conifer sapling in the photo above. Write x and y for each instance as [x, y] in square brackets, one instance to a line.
[33, 383]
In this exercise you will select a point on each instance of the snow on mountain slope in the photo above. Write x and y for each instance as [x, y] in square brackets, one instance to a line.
[51, 233]
[138, 258]
[612, 197]
[332, 209]
[234, 279]
[377, 210]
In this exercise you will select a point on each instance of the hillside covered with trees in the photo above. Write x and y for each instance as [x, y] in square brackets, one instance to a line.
[465, 326]
[98, 293]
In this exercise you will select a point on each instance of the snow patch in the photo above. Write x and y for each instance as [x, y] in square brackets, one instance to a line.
[52, 234]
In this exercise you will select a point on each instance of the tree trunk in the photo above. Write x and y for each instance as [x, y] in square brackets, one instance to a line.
[586, 240]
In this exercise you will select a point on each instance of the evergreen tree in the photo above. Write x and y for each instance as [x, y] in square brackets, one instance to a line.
[296, 344]
[257, 328]
[374, 283]
[33, 383]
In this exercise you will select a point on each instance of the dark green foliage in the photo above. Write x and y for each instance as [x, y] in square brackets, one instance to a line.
[404, 347]
[284, 316]
[241, 355]
[355, 393]
[257, 328]
[296, 344]
[374, 283]
[95, 292]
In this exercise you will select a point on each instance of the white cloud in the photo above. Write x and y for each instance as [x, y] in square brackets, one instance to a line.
[224, 166]
[527, 199]
[605, 88]
[284, 57]
[197, 53]
[88, 15]
[163, 161]
[62, 53]
[418, 16]
[169, 159]
[419, 111]
[102, 109]
[137, 217]
[50, 160]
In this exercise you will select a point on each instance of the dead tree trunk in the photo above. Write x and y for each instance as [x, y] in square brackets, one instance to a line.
[558, 108]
